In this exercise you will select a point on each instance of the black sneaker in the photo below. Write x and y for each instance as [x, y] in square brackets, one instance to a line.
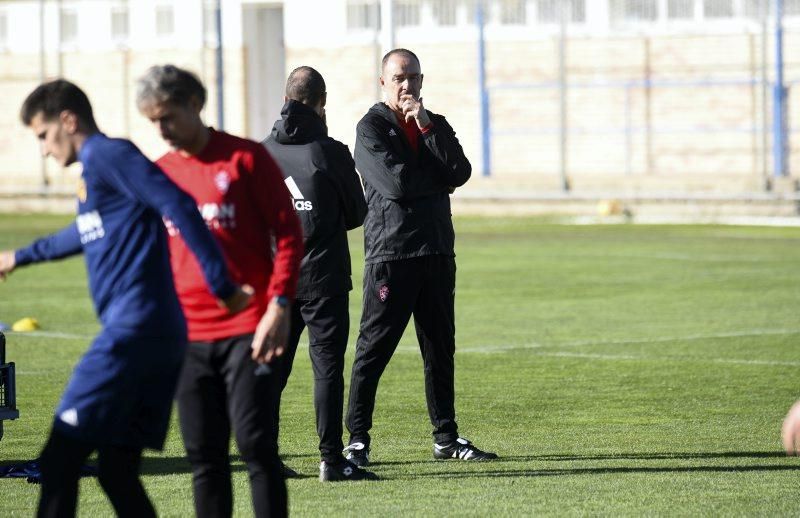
[461, 449]
[357, 453]
[344, 470]
[288, 472]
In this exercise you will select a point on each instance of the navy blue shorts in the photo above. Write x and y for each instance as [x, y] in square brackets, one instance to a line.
[121, 391]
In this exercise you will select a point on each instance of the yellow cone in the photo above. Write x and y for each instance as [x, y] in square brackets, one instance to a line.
[25, 324]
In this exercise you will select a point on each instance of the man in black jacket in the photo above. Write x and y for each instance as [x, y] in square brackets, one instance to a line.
[410, 161]
[328, 198]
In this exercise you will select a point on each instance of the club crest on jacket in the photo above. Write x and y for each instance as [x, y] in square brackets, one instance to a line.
[223, 181]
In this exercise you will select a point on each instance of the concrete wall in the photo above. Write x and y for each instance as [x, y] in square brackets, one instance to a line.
[109, 80]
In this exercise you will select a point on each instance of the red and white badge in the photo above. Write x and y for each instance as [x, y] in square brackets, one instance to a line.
[223, 181]
[383, 292]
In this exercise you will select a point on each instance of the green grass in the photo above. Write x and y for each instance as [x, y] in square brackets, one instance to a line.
[616, 370]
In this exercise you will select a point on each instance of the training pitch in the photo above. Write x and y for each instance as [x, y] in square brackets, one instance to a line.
[615, 370]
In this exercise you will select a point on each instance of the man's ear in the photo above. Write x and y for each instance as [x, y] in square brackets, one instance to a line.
[196, 104]
[421, 77]
[323, 100]
[69, 121]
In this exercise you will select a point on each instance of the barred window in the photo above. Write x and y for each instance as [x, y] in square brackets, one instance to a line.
[634, 10]
[69, 26]
[549, 11]
[407, 13]
[210, 23]
[363, 15]
[3, 29]
[680, 9]
[445, 12]
[578, 11]
[165, 20]
[791, 7]
[718, 8]
[119, 23]
[760, 8]
[512, 12]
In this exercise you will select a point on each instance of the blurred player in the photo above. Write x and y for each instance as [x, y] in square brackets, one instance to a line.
[329, 201]
[119, 398]
[240, 192]
[410, 160]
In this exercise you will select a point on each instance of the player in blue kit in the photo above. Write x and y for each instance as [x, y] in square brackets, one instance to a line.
[119, 398]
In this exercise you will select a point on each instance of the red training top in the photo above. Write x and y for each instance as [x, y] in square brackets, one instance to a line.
[240, 193]
[412, 131]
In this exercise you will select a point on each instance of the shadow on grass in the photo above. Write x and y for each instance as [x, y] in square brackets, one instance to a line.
[180, 465]
[13, 462]
[602, 471]
[481, 471]
[654, 456]
[618, 456]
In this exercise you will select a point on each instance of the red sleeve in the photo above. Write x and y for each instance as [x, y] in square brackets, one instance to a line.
[275, 204]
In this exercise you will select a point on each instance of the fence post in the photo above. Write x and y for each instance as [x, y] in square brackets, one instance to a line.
[564, 12]
[220, 68]
[779, 148]
[42, 78]
[387, 25]
[486, 147]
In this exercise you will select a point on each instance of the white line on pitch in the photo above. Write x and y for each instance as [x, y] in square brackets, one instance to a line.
[733, 334]
[612, 357]
[628, 341]
[48, 334]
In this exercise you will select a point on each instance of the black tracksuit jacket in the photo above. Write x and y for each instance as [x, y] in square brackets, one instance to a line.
[327, 197]
[408, 193]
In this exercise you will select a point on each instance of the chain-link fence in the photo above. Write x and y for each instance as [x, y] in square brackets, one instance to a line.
[643, 87]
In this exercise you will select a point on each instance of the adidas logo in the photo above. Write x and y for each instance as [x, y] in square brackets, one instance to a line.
[392, 132]
[299, 201]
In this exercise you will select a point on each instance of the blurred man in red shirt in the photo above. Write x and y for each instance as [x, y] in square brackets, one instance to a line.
[226, 380]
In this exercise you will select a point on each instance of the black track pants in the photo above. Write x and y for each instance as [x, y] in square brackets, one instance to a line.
[219, 389]
[328, 323]
[118, 472]
[393, 291]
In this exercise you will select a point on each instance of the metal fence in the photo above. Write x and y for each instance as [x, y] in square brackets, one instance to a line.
[631, 87]
[637, 87]
[566, 88]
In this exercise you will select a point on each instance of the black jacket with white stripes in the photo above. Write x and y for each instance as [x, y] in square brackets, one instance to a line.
[326, 193]
[408, 193]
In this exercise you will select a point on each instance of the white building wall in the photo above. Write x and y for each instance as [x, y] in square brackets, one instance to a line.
[600, 48]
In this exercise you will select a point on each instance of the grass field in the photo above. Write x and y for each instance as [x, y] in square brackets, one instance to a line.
[616, 370]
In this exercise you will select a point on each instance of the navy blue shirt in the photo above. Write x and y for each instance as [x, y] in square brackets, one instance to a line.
[122, 198]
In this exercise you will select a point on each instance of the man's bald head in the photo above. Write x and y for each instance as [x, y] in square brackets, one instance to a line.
[307, 86]
[398, 52]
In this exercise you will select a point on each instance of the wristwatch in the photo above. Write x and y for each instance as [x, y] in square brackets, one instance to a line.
[281, 300]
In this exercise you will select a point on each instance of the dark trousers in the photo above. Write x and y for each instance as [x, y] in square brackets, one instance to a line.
[393, 291]
[328, 323]
[219, 389]
[118, 472]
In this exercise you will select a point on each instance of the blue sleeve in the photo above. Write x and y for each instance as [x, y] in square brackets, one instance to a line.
[64, 243]
[136, 177]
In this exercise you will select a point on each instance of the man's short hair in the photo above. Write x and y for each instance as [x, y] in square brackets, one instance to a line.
[169, 84]
[404, 52]
[52, 98]
[305, 85]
